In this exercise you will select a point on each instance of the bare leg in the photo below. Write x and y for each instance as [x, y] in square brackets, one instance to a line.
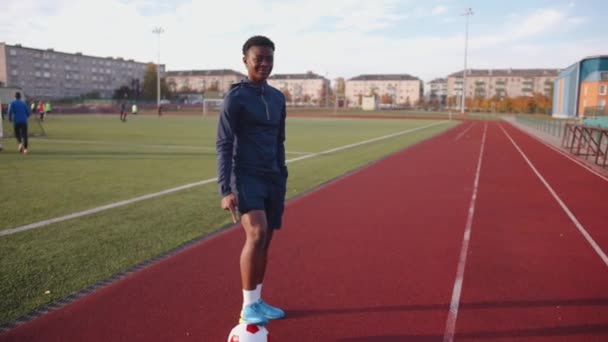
[253, 254]
[265, 257]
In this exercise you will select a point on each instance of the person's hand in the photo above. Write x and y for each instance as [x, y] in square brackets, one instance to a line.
[229, 202]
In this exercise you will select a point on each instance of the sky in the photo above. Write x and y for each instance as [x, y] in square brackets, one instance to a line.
[333, 38]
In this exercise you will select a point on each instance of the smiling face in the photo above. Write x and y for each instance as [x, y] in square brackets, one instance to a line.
[259, 61]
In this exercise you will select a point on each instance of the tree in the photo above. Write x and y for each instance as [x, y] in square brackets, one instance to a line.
[287, 94]
[451, 101]
[324, 93]
[340, 86]
[185, 89]
[121, 92]
[149, 88]
[214, 86]
[93, 95]
[172, 86]
[150, 84]
[386, 99]
[407, 103]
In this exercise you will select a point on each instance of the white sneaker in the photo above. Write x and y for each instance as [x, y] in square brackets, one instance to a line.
[25, 151]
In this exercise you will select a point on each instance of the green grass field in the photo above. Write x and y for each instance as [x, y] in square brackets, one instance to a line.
[95, 160]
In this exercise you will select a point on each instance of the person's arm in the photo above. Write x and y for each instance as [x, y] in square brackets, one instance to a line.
[281, 143]
[10, 112]
[224, 144]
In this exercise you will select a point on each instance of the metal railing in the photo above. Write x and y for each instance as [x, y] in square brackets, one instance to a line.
[588, 142]
[596, 111]
[552, 126]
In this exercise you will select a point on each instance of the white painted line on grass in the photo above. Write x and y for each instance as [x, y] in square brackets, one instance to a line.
[573, 218]
[297, 152]
[102, 208]
[586, 167]
[191, 185]
[366, 142]
[123, 144]
[464, 132]
[127, 144]
[450, 325]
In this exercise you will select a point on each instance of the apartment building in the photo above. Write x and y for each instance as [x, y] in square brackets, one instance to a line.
[488, 83]
[437, 89]
[302, 89]
[50, 74]
[215, 80]
[390, 89]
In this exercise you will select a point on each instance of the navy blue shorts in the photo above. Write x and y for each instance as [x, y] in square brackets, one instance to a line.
[257, 192]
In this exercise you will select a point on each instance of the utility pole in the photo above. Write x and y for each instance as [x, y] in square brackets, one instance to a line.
[467, 13]
[327, 83]
[158, 31]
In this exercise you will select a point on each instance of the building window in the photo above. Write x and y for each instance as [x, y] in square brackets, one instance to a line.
[13, 52]
[602, 103]
[603, 89]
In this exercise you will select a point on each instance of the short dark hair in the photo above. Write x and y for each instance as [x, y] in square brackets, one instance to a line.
[257, 41]
[18, 95]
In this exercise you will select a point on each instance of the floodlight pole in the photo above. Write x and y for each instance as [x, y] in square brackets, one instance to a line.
[158, 31]
[467, 13]
[327, 90]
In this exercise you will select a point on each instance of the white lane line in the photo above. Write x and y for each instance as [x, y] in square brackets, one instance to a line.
[464, 132]
[191, 185]
[573, 218]
[450, 325]
[125, 144]
[586, 167]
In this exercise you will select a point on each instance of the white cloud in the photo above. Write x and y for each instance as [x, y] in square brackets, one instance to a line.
[439, 10]
[540, 21]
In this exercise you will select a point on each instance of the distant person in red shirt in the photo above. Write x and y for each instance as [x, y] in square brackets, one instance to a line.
[41, 110]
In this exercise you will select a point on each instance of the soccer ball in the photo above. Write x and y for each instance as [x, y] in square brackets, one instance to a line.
[245, 332]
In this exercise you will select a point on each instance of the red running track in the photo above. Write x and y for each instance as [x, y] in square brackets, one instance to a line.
[373, 257]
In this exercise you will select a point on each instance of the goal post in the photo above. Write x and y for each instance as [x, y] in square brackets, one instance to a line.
[34, 129]
[211, 106]
[340, 103]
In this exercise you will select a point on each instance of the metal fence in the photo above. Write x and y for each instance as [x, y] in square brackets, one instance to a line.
[588, 142]
[552, 126]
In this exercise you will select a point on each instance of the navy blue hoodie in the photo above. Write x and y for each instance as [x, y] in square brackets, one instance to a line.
[251, 133]
[18, 112]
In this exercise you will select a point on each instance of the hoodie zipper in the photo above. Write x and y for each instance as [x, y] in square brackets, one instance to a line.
[265, 104]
